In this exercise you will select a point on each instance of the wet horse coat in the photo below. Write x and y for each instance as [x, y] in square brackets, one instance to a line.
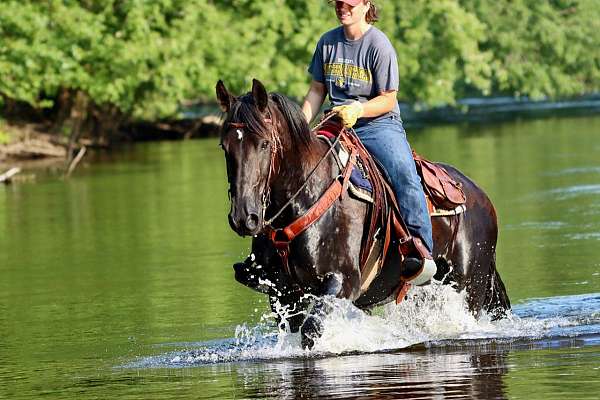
[270, 153]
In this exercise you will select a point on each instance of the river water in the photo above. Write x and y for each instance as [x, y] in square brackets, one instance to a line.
[118, 284]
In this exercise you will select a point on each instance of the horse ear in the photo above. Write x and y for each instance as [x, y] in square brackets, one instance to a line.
[225, 99]
[261, 98]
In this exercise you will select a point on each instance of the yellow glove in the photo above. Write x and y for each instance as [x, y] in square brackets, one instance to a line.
[349, 113]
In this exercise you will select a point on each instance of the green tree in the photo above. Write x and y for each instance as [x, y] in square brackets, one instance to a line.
[438, 49]
[95, 64]
[542, 48]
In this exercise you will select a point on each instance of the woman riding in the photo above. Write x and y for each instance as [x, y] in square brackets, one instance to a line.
[356, 65]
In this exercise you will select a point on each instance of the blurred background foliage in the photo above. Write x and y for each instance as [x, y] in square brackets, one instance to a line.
[105, 62]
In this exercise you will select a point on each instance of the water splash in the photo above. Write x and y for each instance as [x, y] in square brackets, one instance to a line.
[435, 315]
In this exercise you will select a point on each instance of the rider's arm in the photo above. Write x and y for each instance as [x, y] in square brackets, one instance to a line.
[313, 100]
[380, 105]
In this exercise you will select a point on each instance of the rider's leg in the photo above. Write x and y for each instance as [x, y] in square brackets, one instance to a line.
[386, 140]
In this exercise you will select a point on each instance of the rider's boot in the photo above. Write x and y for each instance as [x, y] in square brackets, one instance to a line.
[419, 267]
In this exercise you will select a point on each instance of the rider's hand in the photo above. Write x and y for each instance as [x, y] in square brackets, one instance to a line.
[349, 113]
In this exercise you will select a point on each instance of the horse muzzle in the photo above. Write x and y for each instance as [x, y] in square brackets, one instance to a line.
[245, 225]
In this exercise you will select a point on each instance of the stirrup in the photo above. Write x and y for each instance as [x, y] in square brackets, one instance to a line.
[419, 270]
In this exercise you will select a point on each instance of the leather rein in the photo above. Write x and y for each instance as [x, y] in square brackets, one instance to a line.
[282, 237]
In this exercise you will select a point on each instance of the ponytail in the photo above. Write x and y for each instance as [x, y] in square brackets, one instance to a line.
[373, 13]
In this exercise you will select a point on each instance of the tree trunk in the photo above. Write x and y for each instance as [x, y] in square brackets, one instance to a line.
[64, 106]
[77, 117]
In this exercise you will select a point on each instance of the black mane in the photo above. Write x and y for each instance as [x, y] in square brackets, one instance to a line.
[244, 110]
[298, 127]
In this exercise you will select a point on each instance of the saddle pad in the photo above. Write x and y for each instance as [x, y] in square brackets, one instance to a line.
[360, 186]
[358, 179]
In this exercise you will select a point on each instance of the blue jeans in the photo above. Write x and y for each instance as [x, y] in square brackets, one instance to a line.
[385, 139]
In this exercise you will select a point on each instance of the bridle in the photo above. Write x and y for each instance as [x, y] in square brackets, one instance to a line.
[275, 147]
[266, 192]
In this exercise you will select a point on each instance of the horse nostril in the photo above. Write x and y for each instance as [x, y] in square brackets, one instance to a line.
[252, 222]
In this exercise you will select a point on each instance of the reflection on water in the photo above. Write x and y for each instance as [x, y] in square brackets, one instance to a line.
[130, 262]
[381, 376]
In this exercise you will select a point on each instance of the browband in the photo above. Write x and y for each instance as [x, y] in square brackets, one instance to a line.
[243, 125]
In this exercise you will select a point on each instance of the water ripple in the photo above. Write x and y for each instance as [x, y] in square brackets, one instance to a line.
[576, 170]
[584, 236]
[575, 191]
[538, 225]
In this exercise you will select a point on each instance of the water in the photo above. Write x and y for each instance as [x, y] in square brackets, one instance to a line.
[117, 283]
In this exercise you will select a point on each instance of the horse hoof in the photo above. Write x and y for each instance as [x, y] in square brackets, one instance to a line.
[311, 329]
[307, 343]
[239, 266]
[242, 272]
[249, 275]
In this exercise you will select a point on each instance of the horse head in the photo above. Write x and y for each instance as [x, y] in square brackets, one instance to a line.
[248, 145]
[258, 132]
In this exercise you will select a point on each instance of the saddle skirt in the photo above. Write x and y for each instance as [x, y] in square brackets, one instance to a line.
[444, 195]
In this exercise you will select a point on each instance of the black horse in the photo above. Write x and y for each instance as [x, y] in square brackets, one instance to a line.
[270, 153]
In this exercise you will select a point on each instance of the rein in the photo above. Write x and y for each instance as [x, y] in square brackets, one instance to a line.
[291, 199]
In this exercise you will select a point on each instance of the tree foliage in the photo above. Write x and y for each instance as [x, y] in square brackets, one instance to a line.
[542, 48]
[112, 60]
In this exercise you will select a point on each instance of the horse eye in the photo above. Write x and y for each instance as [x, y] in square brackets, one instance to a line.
[265, 144]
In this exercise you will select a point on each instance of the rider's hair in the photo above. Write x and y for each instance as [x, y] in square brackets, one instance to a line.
[373, 13]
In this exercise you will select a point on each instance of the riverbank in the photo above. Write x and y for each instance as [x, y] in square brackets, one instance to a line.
[29, 141]
[30, 145]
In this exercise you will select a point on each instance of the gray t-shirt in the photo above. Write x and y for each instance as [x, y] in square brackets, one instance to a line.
[355, 69]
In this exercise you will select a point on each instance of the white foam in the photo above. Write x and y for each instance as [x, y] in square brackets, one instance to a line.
[430, 315]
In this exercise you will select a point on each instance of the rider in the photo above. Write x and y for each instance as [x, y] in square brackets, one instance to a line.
[356, 65]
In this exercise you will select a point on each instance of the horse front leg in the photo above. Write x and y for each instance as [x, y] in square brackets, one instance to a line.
[260, 271]
[289, 310]
[312, 328]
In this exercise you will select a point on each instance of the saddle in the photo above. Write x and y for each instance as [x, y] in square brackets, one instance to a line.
[444, 195]
[439, 187]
